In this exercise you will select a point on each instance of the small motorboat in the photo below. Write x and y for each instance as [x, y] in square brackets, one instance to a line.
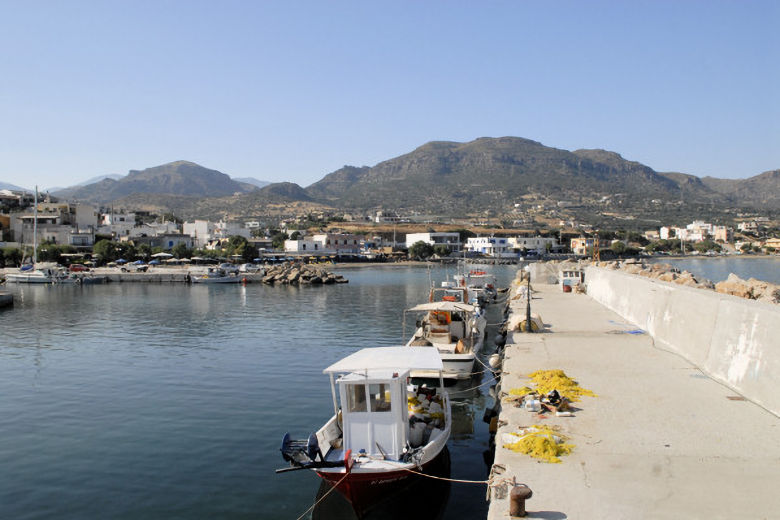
[456, 330]
[215, 276]
[384, 431]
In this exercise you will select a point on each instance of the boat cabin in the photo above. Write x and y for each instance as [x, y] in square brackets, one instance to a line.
[374, 405]
[571, 278]
[374, 412]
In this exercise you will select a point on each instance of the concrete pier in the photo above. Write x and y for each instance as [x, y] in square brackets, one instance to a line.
[661, 440]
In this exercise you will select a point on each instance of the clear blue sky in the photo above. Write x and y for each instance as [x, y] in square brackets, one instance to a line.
[290, 91]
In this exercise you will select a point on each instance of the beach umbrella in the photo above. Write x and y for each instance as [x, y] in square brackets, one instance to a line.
[162, 255]
[154, 262]
[139, 262]
[121, 261]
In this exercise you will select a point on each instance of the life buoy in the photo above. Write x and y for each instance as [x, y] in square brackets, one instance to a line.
[441, 316]
[449, 298]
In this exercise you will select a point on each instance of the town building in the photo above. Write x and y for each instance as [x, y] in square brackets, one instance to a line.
[204, 232]
[497, 247]
[538, 244]
[449, 239]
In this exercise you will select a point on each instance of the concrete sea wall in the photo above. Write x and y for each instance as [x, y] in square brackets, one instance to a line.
[733, 340]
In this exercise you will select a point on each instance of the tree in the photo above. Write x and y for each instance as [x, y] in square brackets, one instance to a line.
[618, 248]
[11, 256]
[238, 245]
[420, 250]
[143, 250]
[278, 240]
[441, 250]
[180, 250]
[105, 250]
[296, 235]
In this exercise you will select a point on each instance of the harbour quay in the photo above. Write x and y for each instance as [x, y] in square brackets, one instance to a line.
[684, 422]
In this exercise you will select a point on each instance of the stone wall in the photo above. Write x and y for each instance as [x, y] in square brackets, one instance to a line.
[734, 340]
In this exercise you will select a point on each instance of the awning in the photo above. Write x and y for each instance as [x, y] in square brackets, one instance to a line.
[444, 306]
[388, 358]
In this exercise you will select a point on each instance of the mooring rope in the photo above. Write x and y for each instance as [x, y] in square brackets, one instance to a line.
[475, 387]
[323, 496]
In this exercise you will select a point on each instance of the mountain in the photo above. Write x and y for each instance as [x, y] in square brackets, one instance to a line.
[12, 187]
[449, 177]
[280, 199]
[175, 178]
[762, 191]
[252, 181]
[93, 180]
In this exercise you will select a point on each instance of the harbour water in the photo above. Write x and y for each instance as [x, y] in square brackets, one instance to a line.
[170, 401]
[718, 268]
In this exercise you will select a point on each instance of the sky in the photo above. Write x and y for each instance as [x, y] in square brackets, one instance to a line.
[291, 91]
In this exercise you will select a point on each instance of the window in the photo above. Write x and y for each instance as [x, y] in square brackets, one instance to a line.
[380, 398]
[356, 398]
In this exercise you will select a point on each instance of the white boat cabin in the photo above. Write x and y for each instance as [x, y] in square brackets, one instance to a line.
[373, 396]
[374, 412]
[571, 278]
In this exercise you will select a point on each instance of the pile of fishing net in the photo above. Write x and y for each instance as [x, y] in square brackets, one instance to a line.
[541, 442]
[549, 380]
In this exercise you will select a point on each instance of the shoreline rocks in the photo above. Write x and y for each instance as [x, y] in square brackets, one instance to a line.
[751, 289]
[301, 274]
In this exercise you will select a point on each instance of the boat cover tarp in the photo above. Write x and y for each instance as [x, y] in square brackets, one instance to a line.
[444, 306]
[388, 358]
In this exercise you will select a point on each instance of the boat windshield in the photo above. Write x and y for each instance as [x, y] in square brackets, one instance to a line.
[380, 397]
[356, 397]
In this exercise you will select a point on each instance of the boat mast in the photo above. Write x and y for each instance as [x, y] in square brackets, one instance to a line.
[35, 228]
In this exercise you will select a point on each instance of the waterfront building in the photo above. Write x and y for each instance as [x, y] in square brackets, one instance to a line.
[538, 244]
[449, 239]
[204, 232]
[497, 247]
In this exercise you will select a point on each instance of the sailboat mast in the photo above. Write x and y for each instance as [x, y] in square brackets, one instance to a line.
[35, 228]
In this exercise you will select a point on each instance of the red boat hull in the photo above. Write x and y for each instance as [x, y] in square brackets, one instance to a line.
[364, 490]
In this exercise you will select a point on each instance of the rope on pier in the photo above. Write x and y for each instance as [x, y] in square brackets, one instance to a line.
[323, 496]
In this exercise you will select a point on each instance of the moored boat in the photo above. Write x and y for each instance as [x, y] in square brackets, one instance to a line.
[39, 275]
[456, 330]
[215, 276]
[384, 432]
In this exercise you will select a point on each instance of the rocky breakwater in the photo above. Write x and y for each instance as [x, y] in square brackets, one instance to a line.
[296, 274]
[751, 289]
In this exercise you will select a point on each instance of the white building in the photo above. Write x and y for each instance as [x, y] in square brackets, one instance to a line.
[497, 247]
[204, 231]
[451, 240]
[325, 243]
[538, 244]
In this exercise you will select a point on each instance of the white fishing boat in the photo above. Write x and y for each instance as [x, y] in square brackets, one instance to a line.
[383, 432]
[39, 275]
[456, 330]
[481, 286]
[215, 276]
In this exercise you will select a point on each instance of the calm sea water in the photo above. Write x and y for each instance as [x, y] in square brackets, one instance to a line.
[170, 401]
[718, 268]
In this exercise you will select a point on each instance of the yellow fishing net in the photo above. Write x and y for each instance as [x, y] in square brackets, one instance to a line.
[549, 380]
[521, 391]
[540, 442]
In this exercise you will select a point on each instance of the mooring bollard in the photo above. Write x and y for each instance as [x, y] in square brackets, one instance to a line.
[517, 497]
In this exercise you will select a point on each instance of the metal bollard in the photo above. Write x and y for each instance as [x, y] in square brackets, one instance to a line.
[517, 497]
